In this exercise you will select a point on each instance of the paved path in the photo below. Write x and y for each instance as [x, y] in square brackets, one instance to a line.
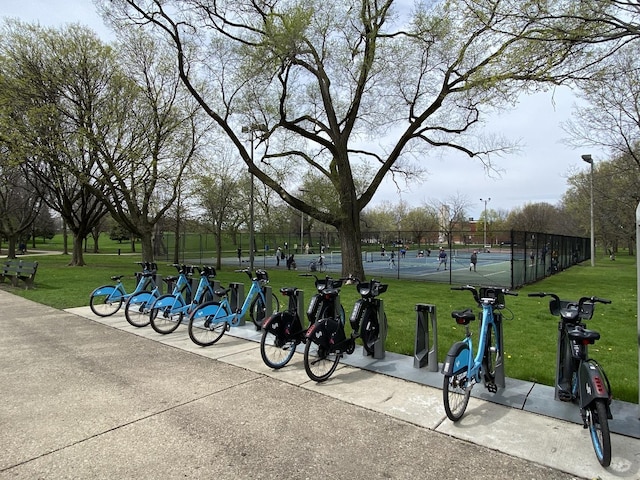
[84, 397]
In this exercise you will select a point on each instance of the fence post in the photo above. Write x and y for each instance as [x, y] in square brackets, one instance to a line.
[425, 354]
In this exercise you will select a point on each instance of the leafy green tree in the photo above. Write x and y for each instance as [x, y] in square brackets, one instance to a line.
[340, 85]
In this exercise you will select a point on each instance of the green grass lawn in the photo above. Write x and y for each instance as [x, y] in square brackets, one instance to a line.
[530, 331]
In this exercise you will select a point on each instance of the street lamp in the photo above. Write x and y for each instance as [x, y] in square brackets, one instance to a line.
[252, 129]
[486, 200]
[303, 191]
[587, 158]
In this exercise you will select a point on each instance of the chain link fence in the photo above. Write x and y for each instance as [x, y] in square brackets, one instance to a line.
[508, 258]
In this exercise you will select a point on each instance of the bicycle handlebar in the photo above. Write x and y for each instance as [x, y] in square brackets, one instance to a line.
[476, 294]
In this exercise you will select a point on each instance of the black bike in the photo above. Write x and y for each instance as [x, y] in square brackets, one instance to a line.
[284, 331]
[579, 378]
[326, 340]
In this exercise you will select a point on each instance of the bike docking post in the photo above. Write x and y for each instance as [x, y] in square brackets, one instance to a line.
[378, 346]
[499, 367]
[300, 307]
[425, 354]
[236, 299]
[268, 297]
[215, 285]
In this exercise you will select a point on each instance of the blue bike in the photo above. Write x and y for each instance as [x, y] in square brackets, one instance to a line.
[463, 368]
[209, 321]
[138, 307]
[169, 310]
[107, 299]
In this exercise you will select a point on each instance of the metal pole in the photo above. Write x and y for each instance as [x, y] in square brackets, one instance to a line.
[638, 292]
[587, 158]
[486, 200]
[251, 239]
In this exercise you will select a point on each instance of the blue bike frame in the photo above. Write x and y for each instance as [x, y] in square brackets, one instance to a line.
[218, 312]
[460, 356]
[177, 302]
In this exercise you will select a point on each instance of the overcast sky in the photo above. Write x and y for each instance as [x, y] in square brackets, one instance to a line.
[536, 174]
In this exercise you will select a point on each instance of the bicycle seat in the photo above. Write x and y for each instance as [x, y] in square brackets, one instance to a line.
[115, 278]
[170, 279]
[288, 291]
[583, 335]
[222, 292]
[463, 317]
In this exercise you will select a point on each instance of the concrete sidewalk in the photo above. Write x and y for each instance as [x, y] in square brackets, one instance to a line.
[85, 397]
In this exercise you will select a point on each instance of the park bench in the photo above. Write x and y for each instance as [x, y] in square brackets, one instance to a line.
[19, 270]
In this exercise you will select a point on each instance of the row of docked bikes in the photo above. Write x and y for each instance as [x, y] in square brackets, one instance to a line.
[210, 312]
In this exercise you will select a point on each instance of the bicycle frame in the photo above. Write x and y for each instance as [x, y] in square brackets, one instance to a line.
[216, 310]
[182, 292]
[461, 356]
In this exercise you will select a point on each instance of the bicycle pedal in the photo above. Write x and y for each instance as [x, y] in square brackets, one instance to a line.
[492, 387]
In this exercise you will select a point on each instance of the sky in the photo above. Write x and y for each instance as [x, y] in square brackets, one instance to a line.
[536, 173]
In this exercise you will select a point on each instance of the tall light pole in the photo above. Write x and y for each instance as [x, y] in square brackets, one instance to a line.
[486, 200]
[251, 130]
[587, 158]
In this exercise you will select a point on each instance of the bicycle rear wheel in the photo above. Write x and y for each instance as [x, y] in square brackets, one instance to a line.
[203, 330]
[166, 314]
[258, 310]
[276, 350]
[105, 301]
[319, 361]
[598, 423]
[455, 394]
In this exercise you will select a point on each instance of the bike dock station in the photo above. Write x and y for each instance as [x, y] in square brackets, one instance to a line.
[426, 348]
[378, 346]
[236, 298]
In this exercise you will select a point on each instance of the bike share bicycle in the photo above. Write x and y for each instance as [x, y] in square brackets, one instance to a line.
[318, 265]
[107, 299]
[284, 331]
[168, 311]
[209, 321]
[462, 368]
[326, 340]
[581, 379]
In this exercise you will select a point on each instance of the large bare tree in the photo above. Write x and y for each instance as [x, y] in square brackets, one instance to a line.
[337, 85]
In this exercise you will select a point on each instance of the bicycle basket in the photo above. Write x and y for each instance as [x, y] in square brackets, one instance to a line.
[262, 275]
[493, 292]
[371, 289]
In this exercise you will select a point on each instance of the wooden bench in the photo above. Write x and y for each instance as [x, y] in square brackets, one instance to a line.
[19, 270]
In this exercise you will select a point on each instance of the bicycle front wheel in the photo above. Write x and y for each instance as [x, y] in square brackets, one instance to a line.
[319, 362]
[258, 310]
[166, 314]
[491, 356]
[455, 395]
[276, 350]
[203, 329]
[598, 424]
[322, 267]
[370, 331]
[105, 301]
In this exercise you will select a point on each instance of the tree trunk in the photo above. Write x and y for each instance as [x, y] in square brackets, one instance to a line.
[218, 236]
[146, 244]
[77, 258]
[351, 250]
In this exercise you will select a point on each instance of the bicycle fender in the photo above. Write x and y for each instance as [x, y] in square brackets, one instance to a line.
[142, 297]
[457, 359]
[104, 290]
[274, 323]
[167, 302]
[593, 384]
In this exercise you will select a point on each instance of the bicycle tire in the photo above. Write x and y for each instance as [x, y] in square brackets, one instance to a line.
[136, 310]
[370, 330]
[455, 395]
[491, 354]
[598, 424]
[100, 303]
[201, 331]
[319, 362]
[276, 350]
[167, 318]
[326, 311]
[258, 310]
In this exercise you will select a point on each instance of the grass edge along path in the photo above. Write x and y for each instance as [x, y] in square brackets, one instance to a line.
[529, 329]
